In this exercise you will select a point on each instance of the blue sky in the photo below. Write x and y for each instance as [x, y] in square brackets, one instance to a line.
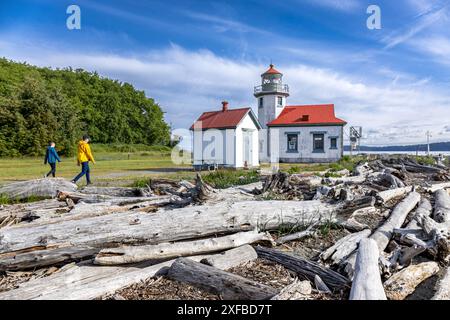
[189, 55]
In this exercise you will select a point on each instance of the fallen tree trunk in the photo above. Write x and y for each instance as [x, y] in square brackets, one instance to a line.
[117, 191]
[133, 254]
[231, 258]
[43, 258]
[443, 287]
[388, 195]
[367, 281]
[337, 253]
[44, 188]
[229, 286]
[165, 226]
[442, 206]
[383, 234]
[85, 282]
[435, 187]
[306, 268]
[298, 290]
[404, 282]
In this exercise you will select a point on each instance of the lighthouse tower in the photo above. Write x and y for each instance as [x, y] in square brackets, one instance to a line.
[271, 96]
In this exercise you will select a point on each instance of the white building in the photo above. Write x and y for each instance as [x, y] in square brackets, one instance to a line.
[299, 133]
[295, 133]
[226, 138]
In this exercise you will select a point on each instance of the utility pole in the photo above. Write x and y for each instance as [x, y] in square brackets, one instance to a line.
[428, 142]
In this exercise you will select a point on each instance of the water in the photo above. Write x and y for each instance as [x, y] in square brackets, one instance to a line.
[420, 153]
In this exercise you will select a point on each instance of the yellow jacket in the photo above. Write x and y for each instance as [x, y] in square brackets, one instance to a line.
[84, 152]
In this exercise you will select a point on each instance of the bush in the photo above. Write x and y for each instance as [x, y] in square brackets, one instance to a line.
[227, 178]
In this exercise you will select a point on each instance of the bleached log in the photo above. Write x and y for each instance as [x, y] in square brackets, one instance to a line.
[165, 226]
[435, 187]
[353, 225]
[403, 283]
[117, 191]
[231, 258]
[133, 254]
[298, 290]
[305, 268]
[383, 234]
[439, 233]
[388, 195]
[441, 206]
[298, 235]
[392, 180]
[45, 188]
[229, 286]
[99, 198]
[367, 283]
[43, 258]
[443, 287]
[337, 253]
[424, 209]
[85, 282]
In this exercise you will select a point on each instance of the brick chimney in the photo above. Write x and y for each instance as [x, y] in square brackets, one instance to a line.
[224, 106]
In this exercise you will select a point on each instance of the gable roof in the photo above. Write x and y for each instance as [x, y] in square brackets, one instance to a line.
[227, 119]
[307, 115]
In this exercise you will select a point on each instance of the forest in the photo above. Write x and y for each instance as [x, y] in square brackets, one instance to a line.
[38, 105]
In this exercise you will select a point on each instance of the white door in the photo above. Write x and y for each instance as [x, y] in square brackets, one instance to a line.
[247, 135]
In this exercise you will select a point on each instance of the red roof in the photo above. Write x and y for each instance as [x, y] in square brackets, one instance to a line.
[222, 119]
[272, 70]
[307, 115]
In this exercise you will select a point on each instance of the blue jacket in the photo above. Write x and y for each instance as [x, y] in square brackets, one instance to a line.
[51, 156]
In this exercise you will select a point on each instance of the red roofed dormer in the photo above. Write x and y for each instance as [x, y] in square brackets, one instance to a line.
[307, 115]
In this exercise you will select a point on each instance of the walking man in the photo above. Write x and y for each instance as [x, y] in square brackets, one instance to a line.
[83, 158]
[51, 156]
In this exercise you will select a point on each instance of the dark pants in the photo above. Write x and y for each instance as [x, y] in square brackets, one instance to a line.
[52, 170]
[84, 171]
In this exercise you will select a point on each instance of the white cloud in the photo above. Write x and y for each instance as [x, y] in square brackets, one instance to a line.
[423, 21]
[340, 5]
[187, 83]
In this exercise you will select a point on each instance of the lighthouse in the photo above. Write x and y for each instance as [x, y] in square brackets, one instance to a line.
[271, 96]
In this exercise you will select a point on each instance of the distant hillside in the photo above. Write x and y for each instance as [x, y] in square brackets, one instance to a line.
[439, 146]
[40, 104]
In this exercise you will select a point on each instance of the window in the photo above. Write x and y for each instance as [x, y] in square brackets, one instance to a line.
[333, 143]
[261, 102]
[318, 145]
[292, 143]
[280, 101]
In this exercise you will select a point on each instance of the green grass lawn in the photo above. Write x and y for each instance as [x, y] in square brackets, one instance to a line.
[110, 167]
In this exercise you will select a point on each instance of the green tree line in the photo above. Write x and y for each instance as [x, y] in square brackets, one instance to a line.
[38, 105]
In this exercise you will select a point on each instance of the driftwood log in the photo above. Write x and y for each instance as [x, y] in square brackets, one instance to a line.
[305, 268]
[43, 258]
[443, 287]
[383, 234]
[133, 254]
[403, 283]
[298, 290]
[44, 188]
[231, 258]
[229, 286]
[442, 206]
[165, 226]
[385, 196]
[367, 283]
[342, 249]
